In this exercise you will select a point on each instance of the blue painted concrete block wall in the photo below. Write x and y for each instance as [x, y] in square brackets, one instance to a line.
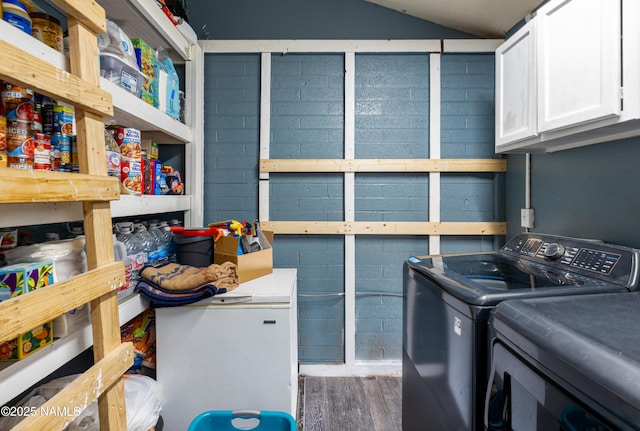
[392, 121]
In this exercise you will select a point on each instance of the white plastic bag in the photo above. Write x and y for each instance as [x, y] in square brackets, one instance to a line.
[142, 398]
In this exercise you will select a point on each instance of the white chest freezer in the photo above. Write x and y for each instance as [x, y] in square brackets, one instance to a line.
[233, 351]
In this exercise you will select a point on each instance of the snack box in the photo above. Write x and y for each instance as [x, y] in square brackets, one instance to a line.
[26, 344]
[22, 278]
[146, 58]
[151, 147]
[18, 279]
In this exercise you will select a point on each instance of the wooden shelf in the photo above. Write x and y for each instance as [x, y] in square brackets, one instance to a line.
[16, 377]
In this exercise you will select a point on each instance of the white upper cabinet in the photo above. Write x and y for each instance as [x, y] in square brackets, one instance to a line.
[516, 87]
[570, 77]
[578, 53]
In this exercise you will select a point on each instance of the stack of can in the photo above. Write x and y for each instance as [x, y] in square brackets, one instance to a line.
[38, 132]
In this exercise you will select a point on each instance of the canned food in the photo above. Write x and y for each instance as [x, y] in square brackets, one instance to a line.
[19, 137]
[19, 144]
[3, 134]
[17, 101]
[40, 102]
[42, 152]
[3, 142]
[47, 118]
[131, 178]
[130, 144]
[62, 119]
[62, 144]
[47, 29]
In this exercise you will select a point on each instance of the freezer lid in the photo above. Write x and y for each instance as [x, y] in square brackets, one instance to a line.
[277, 287]
[486, 279]
[594, 336]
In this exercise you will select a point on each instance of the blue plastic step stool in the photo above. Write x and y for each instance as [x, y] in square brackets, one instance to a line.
[223, 420]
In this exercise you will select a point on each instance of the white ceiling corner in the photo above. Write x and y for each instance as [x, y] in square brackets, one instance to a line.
[484, 18]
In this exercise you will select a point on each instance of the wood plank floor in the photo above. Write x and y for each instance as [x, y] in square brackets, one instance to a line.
[350, 403]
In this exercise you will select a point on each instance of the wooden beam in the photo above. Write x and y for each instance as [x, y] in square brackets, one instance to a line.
[45, 304]
[67, 404]
[46, 186]
[88, 12]
[383, 165]
[51, 81]
[385, 228]
[83, 49]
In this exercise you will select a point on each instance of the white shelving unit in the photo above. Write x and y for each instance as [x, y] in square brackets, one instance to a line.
[19, 376]
[138, 18]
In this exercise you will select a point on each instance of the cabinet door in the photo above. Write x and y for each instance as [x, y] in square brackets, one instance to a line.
[578, 46]
[516, 87]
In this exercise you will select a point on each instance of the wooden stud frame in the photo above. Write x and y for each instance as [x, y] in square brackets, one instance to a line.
[92, 187]
[349, 166]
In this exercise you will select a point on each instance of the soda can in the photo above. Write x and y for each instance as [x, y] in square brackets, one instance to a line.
[42, 152]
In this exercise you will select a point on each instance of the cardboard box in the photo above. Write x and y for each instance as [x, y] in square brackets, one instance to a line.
[146, 58]
[20, 279]
[151, 147]
[24, 277]
[250, 265]
[27, 344]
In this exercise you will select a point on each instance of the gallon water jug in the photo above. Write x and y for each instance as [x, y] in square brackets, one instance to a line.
[171, 246]
[135, 255]
[148, 243]
[161, 242]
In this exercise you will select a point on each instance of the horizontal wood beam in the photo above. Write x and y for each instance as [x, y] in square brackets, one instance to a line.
[47, 303]
[89, 13]
[383, 165]
[67, 404]
[47, 79]
[46, 186]
[385, 228]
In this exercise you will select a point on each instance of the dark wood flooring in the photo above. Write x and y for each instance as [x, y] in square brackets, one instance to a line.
[350, 404]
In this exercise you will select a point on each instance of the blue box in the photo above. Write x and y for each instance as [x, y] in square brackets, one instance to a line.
[223, 420]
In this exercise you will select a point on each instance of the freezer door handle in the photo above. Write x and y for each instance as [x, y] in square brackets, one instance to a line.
[220, 299]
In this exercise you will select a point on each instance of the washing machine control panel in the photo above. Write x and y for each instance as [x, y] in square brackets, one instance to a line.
[578, 255]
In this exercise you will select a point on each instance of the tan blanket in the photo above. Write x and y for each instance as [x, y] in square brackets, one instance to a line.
[174, 276]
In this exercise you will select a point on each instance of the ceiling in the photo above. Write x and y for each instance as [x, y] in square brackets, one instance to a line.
[484, 18]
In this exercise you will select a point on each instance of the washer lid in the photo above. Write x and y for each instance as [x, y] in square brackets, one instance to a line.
[488, 278]
[592, 342]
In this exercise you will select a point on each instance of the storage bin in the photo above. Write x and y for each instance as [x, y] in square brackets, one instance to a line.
[121, 73]
[227, 420]
[194, 247]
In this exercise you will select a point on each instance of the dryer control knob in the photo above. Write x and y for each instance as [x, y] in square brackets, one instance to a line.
[554, 251]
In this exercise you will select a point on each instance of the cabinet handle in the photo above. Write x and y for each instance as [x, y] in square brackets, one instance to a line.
[269, 322]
